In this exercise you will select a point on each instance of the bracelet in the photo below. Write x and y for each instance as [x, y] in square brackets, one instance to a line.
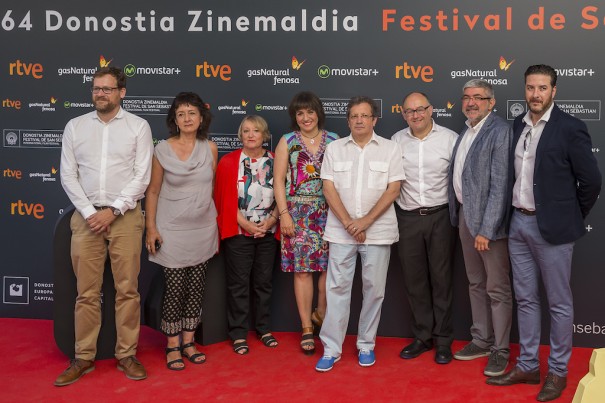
[283, 211]
[276, 218]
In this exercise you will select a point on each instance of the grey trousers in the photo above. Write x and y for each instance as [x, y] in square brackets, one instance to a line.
[489, 287]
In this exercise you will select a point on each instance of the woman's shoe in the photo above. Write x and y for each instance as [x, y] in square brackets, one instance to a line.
[241, 347]
[193, 357]
[307, 342]
[171, 364]
[317, 320]
[268, 340]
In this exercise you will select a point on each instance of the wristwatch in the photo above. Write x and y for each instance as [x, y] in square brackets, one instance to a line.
[116, 211]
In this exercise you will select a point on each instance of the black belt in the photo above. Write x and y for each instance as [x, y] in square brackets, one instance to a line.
[525, 212]
[427, 210]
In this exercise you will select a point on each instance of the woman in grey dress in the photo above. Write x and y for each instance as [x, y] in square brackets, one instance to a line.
[180, 221]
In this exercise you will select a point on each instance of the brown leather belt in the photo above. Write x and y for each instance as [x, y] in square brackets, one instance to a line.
[524, 211]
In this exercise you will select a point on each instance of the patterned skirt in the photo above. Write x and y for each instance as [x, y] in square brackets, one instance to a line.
[306, 251]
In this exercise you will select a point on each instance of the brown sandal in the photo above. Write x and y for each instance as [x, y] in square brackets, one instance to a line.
[307, 342]
[317, 319]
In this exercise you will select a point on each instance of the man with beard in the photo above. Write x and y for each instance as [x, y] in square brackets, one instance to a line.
[557, 181]
[479, 199]
[105, 169]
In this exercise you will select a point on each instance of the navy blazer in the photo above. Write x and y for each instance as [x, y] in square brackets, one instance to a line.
[567, 180]
[486, 192]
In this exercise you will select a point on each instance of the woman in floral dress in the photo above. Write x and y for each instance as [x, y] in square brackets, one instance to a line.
[303, 209]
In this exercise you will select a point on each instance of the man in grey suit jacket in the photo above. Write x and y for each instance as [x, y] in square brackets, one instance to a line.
[479, 198]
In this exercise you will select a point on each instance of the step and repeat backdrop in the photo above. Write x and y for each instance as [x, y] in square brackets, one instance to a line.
[250, 58]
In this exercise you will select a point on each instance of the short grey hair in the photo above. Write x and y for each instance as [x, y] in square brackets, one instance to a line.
[480, 83]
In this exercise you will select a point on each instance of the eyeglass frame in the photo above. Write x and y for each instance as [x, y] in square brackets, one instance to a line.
[476, 98]
[105, 90]
[363, 117]
[410, 112]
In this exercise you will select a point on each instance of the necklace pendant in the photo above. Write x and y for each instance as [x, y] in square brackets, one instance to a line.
[312, 141]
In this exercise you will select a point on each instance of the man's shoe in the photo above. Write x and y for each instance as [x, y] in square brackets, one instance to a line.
[414, 349]
[515, 376]
[366, 358]
[497, 363]
[76, 369]
[471, 351]
[326, 363]
[443, 355]
[553, 387]
[132, 368]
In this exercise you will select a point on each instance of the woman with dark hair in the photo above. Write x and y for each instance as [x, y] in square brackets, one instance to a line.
[247, 221]
[180, 219]
[303, 209]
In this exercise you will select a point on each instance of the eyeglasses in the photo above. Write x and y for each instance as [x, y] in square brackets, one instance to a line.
[362, 117]
[420, 110]
[476, 98]
[106, 90]
[527, 140]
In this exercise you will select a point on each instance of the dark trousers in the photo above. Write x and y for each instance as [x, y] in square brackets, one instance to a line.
[426, 247]
[248, 258]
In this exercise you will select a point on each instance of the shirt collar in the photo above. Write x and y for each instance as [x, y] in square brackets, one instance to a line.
[374, 138]
[118, 115]
[545, 117]
[479, 125]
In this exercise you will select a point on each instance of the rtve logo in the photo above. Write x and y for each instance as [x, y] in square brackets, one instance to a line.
[407, 71]
[10, 103]
[12, 173]
[26, 69]
[31, 209]
[213, 71]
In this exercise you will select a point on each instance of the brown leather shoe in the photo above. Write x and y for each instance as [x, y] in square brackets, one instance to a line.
[76, 369]
[552, 388]
[132, 368]
[515, 376]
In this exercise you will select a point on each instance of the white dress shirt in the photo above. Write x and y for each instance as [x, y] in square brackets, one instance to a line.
[426, 163]
[361, 176]
[106, 164]
[465, 145]
[525, 160]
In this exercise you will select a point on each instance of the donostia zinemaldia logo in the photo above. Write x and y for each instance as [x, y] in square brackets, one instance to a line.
[130, 70]
[258, 107]
[11, 138]
[324, 71]
[516, 109]
[66, 104]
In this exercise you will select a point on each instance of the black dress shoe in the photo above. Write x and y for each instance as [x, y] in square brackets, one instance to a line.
[443, 355]
[553, 387]
[414, 349]
[515, 376]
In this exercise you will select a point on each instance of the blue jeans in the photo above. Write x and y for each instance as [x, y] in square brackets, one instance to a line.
[341, 270]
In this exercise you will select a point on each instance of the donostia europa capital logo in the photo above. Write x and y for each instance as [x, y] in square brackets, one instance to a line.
[130, 70]
[324, 71]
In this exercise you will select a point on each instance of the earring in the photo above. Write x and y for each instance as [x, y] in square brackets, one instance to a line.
[177, 128]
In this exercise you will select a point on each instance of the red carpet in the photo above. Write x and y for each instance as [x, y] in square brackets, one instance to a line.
[31, 362]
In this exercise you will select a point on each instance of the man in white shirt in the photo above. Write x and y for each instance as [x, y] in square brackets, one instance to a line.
[361, 178]
[426, 236]
[105, 169]
[479, 194]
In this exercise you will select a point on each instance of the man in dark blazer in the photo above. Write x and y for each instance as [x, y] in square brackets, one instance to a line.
[479, 200]
[556, 183]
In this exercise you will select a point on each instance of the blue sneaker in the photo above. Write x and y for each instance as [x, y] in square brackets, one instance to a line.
[326, 363]
[366, 357]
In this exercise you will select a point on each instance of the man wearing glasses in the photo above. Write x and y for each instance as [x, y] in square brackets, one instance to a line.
[105, 169]
[361, 178]
[479, 198]
[426, 237]
[557, 182]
